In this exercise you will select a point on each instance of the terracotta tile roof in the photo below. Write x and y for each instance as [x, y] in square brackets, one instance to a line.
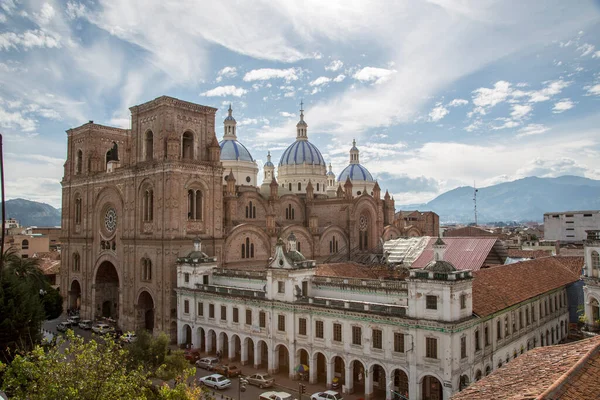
[468, 231]
[518, 253]
[346, 270]
[495, 289]
[465, 253]
[49, 267]
[567, 371]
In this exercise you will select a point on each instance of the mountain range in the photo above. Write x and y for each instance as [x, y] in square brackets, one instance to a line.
[525, 199]
[32, 213]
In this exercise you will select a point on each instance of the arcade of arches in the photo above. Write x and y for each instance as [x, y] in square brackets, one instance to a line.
[356, 376]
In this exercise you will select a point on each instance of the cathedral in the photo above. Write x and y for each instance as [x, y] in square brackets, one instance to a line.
[134, 200]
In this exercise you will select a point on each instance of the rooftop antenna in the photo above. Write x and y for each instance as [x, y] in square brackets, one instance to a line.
[475, 190]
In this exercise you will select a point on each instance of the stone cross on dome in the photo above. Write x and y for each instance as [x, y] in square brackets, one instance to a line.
[301, 125]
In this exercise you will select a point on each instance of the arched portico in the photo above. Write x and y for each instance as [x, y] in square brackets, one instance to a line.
[107, 293]
[281, 360]
[75, 295]
[200, 341]
[145, 311]
[399, 380]
[185, 337]
[376, 382]
[431, 388]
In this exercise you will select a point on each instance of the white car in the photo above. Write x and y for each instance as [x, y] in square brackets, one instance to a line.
[86, 324]
[215, 381]
[129, 337]
[275, 396]
[102, 329]
[326, 395]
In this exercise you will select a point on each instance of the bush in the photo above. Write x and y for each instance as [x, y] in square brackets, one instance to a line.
[153, 354]
[52, 302]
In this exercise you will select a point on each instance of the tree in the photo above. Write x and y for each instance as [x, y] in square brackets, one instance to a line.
[52, 301]
[153, 354]
[75, 369]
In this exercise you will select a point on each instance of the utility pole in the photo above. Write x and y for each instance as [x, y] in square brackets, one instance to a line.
[475, 190]
[3, 204]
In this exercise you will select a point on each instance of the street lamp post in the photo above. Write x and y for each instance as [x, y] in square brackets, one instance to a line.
[241, 386]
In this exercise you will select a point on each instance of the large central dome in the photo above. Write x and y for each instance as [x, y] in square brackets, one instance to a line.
[356, 172]
[300, 152]
[233, 150]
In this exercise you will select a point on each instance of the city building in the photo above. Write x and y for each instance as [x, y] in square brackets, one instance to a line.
[417, 223]
[566, 371]
[134, 198]
[570, 226]
[591, 279]
[426, 336]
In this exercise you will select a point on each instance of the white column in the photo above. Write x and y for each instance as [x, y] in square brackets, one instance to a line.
[329, 373]
[231, 348]
[209, 341]
[368, 384]
[312, 369]
[244, 350]
[220, 344]
[292, 363]
[349, 379]
[257, 355]
[273, 362]
[389, 385]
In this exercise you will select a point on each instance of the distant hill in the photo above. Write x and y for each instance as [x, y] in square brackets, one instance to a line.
[525, 199]
[32, 213]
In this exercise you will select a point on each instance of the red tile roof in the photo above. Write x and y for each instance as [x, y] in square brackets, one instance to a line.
[568, 371]
[518, 253]
[495, 289]
[346, 270]
[465, 253]
[468, 231]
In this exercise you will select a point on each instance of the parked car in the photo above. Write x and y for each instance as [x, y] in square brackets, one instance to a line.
[63, 326]
[326, 395]
[262, 380]
[129, 337]
[275, 396]
[85, 324]
[207, 363]
[229, 371]
[74, 319]
[102, 329]
[215, 381]
[192, 355]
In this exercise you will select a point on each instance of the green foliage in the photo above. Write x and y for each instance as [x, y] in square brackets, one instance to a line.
[75, 369]
[52, 302]
[153, 354]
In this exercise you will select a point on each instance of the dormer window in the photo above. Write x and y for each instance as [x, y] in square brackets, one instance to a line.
[463, 301]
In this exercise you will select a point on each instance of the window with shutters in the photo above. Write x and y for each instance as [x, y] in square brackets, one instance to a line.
[200, 309]
[319, 329]
[399, 342]
[377, 339]
[463, 347]
[357, 335]
[477, 345]
[223, 313]
[236, 315]
[302, 326]
[431, 347]
[248, 316]
[281, 323]
[186, 306]
[337, 332]
[431, 302]
[211, 311]
[262, 319]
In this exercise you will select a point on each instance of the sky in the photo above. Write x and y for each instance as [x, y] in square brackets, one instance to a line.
[438, 94]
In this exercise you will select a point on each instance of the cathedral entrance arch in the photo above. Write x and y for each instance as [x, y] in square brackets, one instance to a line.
[107, 288]
[145, 311]
[75, 295]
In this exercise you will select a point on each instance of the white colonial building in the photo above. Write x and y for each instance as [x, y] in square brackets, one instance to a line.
[425, 333]
[570, 226]
[591, 277]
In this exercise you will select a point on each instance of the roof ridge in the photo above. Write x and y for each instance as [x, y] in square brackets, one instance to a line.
[576, 368]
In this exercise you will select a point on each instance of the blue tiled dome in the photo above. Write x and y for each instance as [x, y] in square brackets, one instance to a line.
[269, 164]
[234, 150]
[356, 172]
[330, 173]
[302, 151]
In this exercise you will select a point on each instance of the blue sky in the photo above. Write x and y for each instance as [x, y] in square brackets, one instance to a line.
[438, 94]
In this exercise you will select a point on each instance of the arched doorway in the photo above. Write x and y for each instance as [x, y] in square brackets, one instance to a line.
[464, 382]
[187, 335]
[223, 345]
[145, 311]
[107, 290]
[400, 382]
[358, 376]
[282, 355]
[263, 350]
[302, 357]
[595, 314]
[378, 381]
[75, 295]
[237, 347]
[431, 388]
[201, 339]
[321, 368]
[211, 342]
[339, 369]
[250, 350]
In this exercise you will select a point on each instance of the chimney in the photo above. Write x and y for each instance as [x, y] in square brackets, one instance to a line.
[557, 248]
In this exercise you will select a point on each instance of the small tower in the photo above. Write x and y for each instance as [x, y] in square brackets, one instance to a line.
[354, 153]
[348, 189]
[269, 169]
[376, 191]
[330, 182]
[301, 126]
[591, 278]
[214, 151]
[340, 192]
[230, 125]
[230, 184]
[439, 248]
[273, 188]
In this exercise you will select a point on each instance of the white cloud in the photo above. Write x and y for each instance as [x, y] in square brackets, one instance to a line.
[28, 40]
[226, 72]
[485, 98]
[228, 90]
[322, 80]
[593, 90]
[372, 74]
[438, 112]
[45, 15]
[287, 114]
[507, 124]
[458, 103]
[75, 10]
[334, 65]
[586, 49]
[16, 120]
[248, 121]
[562, 105]
[520, 111]
[339, 78]
[263, 74]
[596, 54]
[552, 89]
[532, 129]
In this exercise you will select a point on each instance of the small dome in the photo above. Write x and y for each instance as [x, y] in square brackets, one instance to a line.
[330, 173]
[300, 152]
[197, 255]
[229, 118]
[295, 256]
[355, 172]
[440, 266]
[269, 164]
[234, 150]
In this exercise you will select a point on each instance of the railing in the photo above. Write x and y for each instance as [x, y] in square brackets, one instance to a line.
[231, 291]
[241, 274]
[360, 283]
[359, 306]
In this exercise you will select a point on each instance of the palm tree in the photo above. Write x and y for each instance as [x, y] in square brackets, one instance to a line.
[26, 269]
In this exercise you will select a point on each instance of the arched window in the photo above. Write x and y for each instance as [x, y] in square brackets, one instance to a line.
[113, 153]
[247, 249]
[250, 210]
[298, 246]
[76, 262]
[290, 187]
[317, 186]
[195, 205]
[78, 211]
[333, 245]
[25, 244]
[488, 370]
[187, 146]
[289, 212]
[149, 146]
[595, 264]
[363, 232]
[148, 205]
[78, 162]
[299, 186]
[146, 269]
